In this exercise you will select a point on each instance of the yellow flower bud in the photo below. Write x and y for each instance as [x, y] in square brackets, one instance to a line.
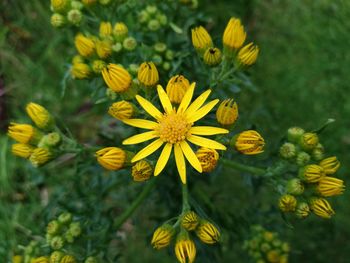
[189, 220]
[273, 256]
[207, 232]
[117, 78]
[148, 74]
[80, 71]
[141, 171]
[39, 115]
[330, 186]
[23, 133]
[250, 142]
[41, 260]
[212, 56]
[22, 150]
[98, 66]
[330, 165]
[121, 110]
[208, 158]
[302, 211]
[201, 39]
[269, 236]
[248, 54]
[40, 156]
[17, 259]
[308, 141]
[287, 203]
[162, 236]
[106, 29]
[60, 5]
[311, 173]
[84, 45]
[176, 88]
[68, 259]
[234, 34]
[103, 49]
[111, 158]
[120, 31]
[185, 249]
[227, 113]
[321, 208]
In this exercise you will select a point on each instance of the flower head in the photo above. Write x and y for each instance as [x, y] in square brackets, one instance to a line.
[84, 45]
[207, 232]
[106, 29]
[148, 74]
[174, 128]
[116, 77]
[103, 48]
[111, 158]
[208, 158]
[227, 113]
[201, 39]
[185, 249]
[39, 115]
[189, 220]
[121, 110]
[120, 31]
[287, 203]
[248, 54]
[162, 236]
[330, 186]
[40, 156]
[141, 171]
[81, 71]
[212, 56]
[321, 207]
[330, 165]
[23, 133]
[234, 34]
[250, 142]
[176, 88]
[22, 150]
[311, 173]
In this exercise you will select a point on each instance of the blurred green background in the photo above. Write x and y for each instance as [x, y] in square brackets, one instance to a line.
[302, 79]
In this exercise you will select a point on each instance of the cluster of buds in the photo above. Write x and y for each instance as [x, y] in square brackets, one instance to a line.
[38, 144]
[233, 40]
[152, 18]
[266, 246]
[306, 192]
[163, 56]
[185, 249]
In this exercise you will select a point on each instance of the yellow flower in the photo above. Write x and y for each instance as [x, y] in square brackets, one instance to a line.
[39, 115]
[17, 259]
[234, 34]
[227, 113]
[106, 29]
[40, 156]
[59, 5]
[141, 171]
[250, 142]
[185, 250]
[321, 207]
[22, 150]
[103, 49]
[174, 128]
[308, 141]
[330, 165]
[176, 88]
[311, 173]
[208, 233]
[111, 158]
[201, 39]
[148, 74]
[330, 186]
[84, 45]
[68, 259]
[189, 220]
[248, 54]
[208, 158]
[80, 71]
[120, 31]
[41, 260]
[287, 203]
[121, 110]
[212, 56]
[162, 236]
[23, 133]
[116, 77]
[303, 210]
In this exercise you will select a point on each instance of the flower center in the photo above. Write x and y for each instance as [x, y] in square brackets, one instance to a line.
[173, 127]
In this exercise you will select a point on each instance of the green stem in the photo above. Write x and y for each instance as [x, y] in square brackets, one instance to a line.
[243, 167]
[185, 204]
[135, 204]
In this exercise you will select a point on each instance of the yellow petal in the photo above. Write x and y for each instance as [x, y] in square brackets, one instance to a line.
[207, 130]
[164, 99]
[142, 137]
[199, 114]
[198, 103]
[190, 156]
[186, 100]
[204, 142]
[163, 159]
[180, 162]
[148, 150]
[149, 107]
[141, 123]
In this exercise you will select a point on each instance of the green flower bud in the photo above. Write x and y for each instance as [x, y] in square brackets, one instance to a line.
[294, 134]
[153, 25]
[302, 210]
[133, 68]
[303, 158]
[265, 247]
[77, 5]
[318, 152]
[129, 43]
[111, 94]
[157, 60]
[65, 218]
[75, 16]
[163, 20]
[169, 55]
[75, 229]
[295, 187]
[53, 227]
[117, 47]
[68, 236]
[143, 17]
[160, 47]
[308, 141]
[98, 65]
[166, 66]
[57, 20]
[57, 242]
[151, 9]
[288, 150]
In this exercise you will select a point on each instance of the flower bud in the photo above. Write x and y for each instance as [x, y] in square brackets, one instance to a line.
[302, 159]
[120, 31]
[330, 165]
[248, 55]
[166, 66]
[75, 16]
[60, 6]
[106, 29]
[68, 237]
[273, 256]
[153, 25]
[22, 150]
[250, 142]
[98, 66]
[162, 19]
[287, 203]
[75, 229]
[234, 35]
[84, 45]
[68, 259]
[169, 55]
[212, 56]
[57, 243]
[308, 141]
[207, 232]
[111, 158]
[116, 78]
[176, 88]
[162, 236]
[190, 221]
[53, 227]
[148, 74]
[321, 208]
[160, 47]
[294, 134]
[227, 113]
[40, 156]
[185, 249]
[143, 17]
[201, 39]
[311, 173]
[39, 115]
[208, 158]
[157, 59]
[17, 259]
[24, 133]
[121, 110]
[77, 59]
[65, 218]
[303, 210]
[151, 9]
[41, 260]
[330, 186]
[57, 20]
[56, 257]
[295, 187]
[130, 43]
[288, 150]
[318, 152]
[141, 171]
[80, 71]
[117, 47]
[77, 5]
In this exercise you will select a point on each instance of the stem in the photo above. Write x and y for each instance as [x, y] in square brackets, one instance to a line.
[185, 204]
[135, 204]
[243, 167]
